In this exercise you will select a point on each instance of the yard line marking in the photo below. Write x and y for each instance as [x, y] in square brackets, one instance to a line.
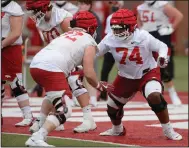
[76, 139]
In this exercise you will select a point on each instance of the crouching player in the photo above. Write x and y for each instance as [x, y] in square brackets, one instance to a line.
[53, 64]
[138, 71]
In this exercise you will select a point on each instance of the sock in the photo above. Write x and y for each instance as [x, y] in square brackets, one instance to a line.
[87, 112]
[171, 90]
[42, 119]
[43, 132]
[26, 111]
[166, 126]
[118, 128]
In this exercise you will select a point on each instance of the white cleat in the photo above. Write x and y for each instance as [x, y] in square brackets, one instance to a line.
[87, 125]
[35, 127]
[25, 122]
[60, 128]
[172, 135]
[37, 140]
[112, 132]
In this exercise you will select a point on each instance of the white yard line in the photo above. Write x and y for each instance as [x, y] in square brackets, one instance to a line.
[127, 145]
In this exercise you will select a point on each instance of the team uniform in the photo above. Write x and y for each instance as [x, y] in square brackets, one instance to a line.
[153, 18]
[10, 69]
[12, 60]
[137, 71]
[54, 64]
[134, 60]
[52, 30]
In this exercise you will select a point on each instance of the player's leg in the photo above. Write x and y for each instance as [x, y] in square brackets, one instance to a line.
[116, 101]
[167, 77]
[12, 72]
[62, 113]
[92, 93]
[22, 98]
[153, 93]
[56, 93]
[115, 112]
[80, 92]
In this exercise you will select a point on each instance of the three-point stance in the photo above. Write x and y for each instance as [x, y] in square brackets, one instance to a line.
[138, 71]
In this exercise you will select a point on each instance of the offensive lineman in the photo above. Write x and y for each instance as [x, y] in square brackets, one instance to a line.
[11, 51]
[52, 22]
[137, 71]
[53, 64]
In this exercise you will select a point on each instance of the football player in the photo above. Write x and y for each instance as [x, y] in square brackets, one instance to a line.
[160, 19]
[11, 51]
[53, 64]
[109, 61]
[52, 22]
[137, 71]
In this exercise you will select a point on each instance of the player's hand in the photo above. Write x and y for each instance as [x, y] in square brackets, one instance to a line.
[166, 30]
[162, 62]
[105, 86]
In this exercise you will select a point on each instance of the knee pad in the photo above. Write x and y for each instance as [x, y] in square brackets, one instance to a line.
[18, 89]
[157, 102]
[115, 109]
[115, 114]
[152, 86]
[59, 101]
[76, 85]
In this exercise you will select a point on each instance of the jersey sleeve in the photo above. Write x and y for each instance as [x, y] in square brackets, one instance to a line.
[13, 9]
[157, 45]
[102, 48]
[60, 15]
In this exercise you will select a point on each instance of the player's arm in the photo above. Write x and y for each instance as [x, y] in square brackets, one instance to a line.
[88, 66]
[65, 25]
[157, 46]
[139, 22]
[161, 48]
[174, 14]
[89, 72]
[102, 49]
[16, 25]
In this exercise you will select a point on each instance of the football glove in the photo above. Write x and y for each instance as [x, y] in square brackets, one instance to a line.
[105, 86]
[166, 30]
[162, 62]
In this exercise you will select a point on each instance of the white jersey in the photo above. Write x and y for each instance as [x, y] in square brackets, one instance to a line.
[64, 53]
[52, 29]
[69, 7]
[133, 56]
[12, 9]
[153, 16]
[108, 27]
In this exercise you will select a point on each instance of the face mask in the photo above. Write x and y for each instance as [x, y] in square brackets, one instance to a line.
[114, 9]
